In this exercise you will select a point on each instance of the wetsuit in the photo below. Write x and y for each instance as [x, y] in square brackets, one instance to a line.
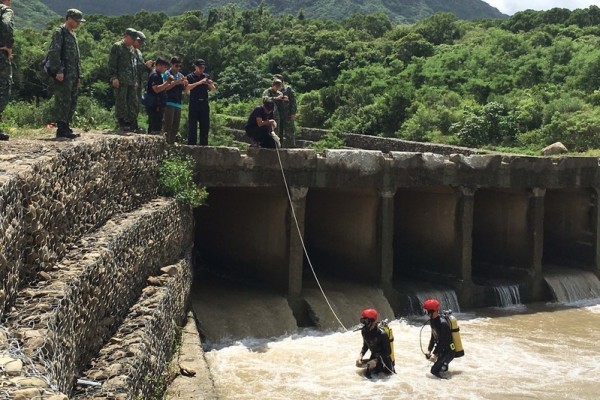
[441, 338]
[377, 341]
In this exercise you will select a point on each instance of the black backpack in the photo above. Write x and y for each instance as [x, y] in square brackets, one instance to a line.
[46, 62]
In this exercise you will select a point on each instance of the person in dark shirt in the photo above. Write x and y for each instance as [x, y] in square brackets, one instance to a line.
[377, 342]
[260, 125]
[441, 338]
[199, 84]
[155, 90]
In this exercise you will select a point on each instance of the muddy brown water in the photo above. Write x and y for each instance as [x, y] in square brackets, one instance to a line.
[541, 351]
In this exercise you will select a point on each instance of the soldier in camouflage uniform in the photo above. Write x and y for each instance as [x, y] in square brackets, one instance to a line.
[64, 62]
[142, 68]
[123, 78]
[6, 44]
[287, 126]
[281, 103]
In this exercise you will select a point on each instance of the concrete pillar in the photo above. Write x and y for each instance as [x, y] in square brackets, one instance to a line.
[385, 231]
[464, 240]
[535, 222]
[296, 252]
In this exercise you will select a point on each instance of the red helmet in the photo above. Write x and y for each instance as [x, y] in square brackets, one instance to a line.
[431, 305]
[370, 313]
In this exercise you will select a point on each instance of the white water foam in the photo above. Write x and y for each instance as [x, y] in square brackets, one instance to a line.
[543, 355]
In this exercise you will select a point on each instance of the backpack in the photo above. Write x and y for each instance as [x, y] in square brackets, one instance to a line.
[46, 62]
[388, 330]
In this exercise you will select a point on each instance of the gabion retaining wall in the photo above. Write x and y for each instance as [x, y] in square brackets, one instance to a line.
[52, 192]
[61, 322]
[132, 364]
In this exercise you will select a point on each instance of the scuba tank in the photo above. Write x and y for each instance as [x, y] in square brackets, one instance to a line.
[388, 330]
[456, 341]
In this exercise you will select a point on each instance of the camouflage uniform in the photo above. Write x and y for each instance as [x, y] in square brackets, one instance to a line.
[141, 72]
[280, 107]
[287, 129]
[6, 40]
[121, 66]
[63, 57]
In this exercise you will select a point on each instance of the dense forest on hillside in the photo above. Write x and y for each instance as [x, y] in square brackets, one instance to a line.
[397, 10]
[526, 81]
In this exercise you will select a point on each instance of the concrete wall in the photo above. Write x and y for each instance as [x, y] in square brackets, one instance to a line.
[244, 231]
[341, 233]
[570, 228]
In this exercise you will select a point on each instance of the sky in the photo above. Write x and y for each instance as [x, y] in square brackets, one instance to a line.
[512, 6]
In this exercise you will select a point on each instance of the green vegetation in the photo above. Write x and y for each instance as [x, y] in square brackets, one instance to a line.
[520, 83]
[175, 179]
[398, 10]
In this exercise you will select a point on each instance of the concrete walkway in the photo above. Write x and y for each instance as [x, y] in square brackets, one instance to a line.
[191, 357]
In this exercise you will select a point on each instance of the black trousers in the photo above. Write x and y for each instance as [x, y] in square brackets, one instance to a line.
[155, 117]
[441, 364]
[262, 136]
[198, 116]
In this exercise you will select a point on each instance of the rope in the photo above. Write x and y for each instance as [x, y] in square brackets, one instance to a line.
[287, 189]
[421, 336]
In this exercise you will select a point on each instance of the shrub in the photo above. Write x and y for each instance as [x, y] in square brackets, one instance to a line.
[175, 179]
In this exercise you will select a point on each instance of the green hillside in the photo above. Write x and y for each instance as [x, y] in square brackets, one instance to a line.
[397, 10]
[32, 13]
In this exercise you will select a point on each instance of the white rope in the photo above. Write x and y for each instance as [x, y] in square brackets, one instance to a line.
[287, 189]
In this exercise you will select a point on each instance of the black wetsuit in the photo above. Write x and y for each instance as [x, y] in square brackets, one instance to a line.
[377, 341]
[441, 338]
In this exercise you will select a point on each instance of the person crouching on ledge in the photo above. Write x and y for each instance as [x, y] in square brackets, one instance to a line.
[260, 125]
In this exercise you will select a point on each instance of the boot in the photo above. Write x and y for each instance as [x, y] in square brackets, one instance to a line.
[64, 132]
[4, 136]
[72, 132]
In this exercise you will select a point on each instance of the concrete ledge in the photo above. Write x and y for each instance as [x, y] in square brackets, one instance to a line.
[64, 319]
[134, 361]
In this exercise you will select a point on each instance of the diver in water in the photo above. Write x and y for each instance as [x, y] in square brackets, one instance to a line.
[441, 338]
[377, 341]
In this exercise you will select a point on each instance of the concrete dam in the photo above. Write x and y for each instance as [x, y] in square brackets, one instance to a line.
[98, 270]
[463, 227]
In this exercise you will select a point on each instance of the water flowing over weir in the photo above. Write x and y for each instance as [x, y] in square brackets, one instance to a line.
[507, 295]
[569, 286]
[447, 299]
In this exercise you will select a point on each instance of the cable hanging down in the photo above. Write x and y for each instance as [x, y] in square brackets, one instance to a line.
[287, 190]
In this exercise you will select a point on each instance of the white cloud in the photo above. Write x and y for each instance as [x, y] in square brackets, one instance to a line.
[512, 6]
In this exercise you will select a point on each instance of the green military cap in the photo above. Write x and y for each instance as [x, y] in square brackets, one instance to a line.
[133, 33]
[278, 76]
[141, 36]
[75, 14]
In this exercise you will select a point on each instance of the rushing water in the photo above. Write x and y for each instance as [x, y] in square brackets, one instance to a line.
[539, 352]
[507, 295]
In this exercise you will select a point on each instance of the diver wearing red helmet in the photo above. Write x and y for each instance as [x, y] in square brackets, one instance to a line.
[377, 342]
[441, 338]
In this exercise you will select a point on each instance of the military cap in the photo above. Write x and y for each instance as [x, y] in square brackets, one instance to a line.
[75, 14]
[278, 76]
[200, 63]
[133, 33]
[276, 81]
[141, 37]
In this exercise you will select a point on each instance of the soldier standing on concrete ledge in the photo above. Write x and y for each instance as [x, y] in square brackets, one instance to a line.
[287, 115]
[142, 69]
[123, 79]
[6, 44]
[64, 60]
